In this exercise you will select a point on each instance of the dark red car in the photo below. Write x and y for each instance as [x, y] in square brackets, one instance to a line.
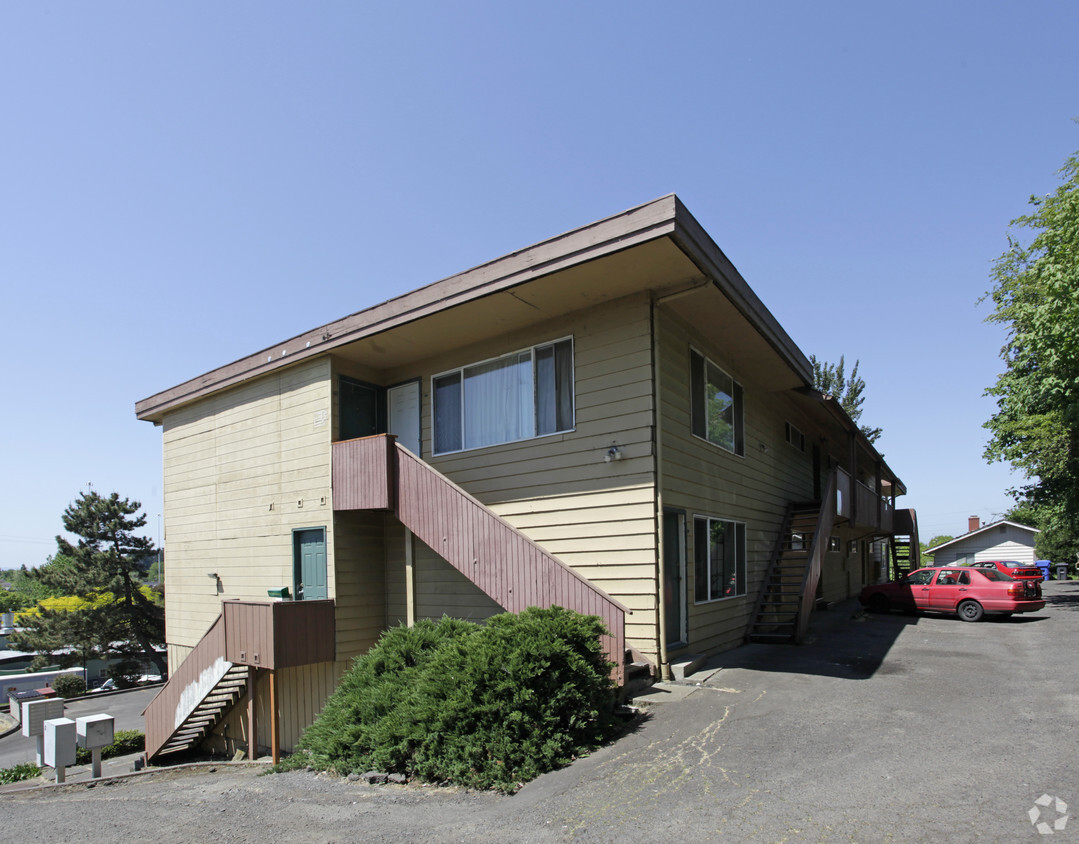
[1012, 568]
[968, 591]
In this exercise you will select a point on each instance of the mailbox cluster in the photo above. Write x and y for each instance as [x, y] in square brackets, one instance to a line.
[57, 736]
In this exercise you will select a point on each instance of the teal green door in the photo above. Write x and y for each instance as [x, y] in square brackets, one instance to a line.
[309, 564]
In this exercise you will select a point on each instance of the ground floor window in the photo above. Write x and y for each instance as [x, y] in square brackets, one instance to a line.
[719, 549]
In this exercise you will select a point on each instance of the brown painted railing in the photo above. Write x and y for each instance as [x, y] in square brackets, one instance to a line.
[501, 561]
[817, 549]
[192, 680]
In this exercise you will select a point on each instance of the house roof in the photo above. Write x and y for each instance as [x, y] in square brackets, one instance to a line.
[658, 246]
[982, 529]
[659, 223]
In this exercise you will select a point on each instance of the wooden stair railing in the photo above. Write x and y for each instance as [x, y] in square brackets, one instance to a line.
[201, 691]
[789, 587]
[775, 615]
[378, 473]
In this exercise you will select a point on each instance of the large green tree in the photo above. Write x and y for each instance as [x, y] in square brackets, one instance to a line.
[832, 380]
[1036, 297]
[114, 618]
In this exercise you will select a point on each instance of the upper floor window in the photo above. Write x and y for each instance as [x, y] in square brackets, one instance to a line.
[716, 405]
[517, 396]
[795, 437]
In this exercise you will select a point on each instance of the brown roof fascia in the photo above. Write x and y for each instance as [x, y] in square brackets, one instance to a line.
[637, 225]
[703, 251]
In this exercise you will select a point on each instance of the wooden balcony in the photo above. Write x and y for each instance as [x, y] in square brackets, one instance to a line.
[279, 634]
[861, 506]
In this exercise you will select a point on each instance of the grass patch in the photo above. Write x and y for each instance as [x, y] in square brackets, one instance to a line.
[489, 706]
[19, 773]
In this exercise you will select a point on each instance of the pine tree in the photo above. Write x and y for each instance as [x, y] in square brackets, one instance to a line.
[831, 380]
[114, 618]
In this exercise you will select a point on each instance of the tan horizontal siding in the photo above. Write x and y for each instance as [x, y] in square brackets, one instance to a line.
[243, 469]
[703, 479]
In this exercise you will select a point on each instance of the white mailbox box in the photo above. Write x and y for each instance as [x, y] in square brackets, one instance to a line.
[94, 731]
[34, 715]
[36, 712]
[59, 745]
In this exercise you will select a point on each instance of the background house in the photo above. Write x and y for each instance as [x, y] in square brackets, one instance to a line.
[1002, 540]
[610, 420]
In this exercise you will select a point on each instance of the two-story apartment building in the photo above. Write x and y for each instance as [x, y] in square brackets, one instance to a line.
[610, 420]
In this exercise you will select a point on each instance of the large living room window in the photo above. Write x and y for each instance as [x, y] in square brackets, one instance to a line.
[719, 559]
[514, 397]
[716, 403]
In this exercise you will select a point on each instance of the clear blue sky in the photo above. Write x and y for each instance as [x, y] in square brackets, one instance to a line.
[184, 184]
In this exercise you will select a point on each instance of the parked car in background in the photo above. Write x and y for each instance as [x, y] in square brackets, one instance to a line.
[969, 592]
[1012, 568]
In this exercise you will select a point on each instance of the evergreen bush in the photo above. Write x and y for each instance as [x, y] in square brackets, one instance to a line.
[69, 685]
[488, 706]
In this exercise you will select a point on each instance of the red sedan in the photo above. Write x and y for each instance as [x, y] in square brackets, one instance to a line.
[1012, 568]
[968, 592]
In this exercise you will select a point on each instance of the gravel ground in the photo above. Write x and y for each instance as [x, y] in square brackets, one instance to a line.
[885, 728]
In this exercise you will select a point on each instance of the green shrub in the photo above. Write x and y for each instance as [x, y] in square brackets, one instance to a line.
[123, 743]
[18, 773]
[69, 685]
[487, 706]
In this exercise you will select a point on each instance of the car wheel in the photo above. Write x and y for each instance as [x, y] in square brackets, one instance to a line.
[879, 603]
[970, 611]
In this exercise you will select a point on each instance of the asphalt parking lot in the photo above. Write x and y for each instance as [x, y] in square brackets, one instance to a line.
[883, 728]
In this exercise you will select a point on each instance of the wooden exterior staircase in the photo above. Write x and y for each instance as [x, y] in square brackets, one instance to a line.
[204, 688]
[221, 670]
[906, 549]
[376, 473]
[789, 588]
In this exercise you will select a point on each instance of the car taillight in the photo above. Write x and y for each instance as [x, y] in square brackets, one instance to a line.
[1015, 590]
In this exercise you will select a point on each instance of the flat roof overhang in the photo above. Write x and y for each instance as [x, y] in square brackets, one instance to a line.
[657, 246]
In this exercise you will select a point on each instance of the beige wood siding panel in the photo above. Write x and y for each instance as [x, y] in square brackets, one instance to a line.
[558, 489]
[442, 590]
[243, 469]
[703, 479]
[359, 564]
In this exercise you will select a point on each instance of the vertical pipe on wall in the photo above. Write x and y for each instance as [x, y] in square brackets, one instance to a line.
[657, 463]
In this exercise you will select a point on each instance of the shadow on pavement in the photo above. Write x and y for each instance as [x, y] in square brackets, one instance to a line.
[844, 641]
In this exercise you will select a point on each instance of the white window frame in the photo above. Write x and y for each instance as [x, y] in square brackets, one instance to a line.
[461, 372]
[740, 560]
[699, 405]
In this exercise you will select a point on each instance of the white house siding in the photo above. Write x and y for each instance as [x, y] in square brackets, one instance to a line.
[997, 542]
[705, 480]
[242, 470]
[558, 490]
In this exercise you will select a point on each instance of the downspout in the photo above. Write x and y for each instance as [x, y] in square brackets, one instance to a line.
[657, 473]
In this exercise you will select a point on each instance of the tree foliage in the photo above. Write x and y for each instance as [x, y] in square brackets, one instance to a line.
[106, 614]
[940, 539]
[832, 380]
[1036, 297]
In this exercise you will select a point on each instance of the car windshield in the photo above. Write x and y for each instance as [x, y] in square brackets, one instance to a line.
[993, 574]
